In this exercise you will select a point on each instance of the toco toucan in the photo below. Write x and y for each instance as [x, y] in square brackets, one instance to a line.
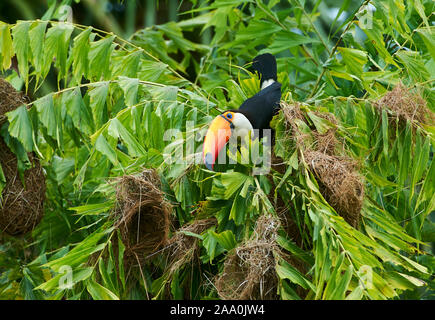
[255, 112]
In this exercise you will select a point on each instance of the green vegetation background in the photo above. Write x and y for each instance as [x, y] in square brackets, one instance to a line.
[106, 87]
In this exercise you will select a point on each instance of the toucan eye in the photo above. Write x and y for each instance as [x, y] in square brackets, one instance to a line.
[229, 116]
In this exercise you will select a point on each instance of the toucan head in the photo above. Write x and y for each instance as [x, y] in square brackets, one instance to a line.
[229, 123]
[255, 112]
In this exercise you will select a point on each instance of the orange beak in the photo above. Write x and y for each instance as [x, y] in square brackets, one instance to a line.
[216, 138]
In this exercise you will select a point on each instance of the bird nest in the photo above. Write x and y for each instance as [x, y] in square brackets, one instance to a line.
[22, 206]
[10, 98]
[337, 175]
[404, 104]
[142, 214]
[22, 203]
[339, 184]
[249, 270]
[183, 246]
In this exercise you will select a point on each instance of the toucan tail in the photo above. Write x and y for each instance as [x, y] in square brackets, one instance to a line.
[265, 65]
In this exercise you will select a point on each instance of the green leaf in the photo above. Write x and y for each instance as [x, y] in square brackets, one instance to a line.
[176, 289]
[428, 189]
[356, 294]
[21, 41]
[414, 63]
[105, 148]
[61, 279]
[428, 36]
[2, 180]
[402, 281]
[117, 130]
[226, 239]
[37, 35]
[418, 6]
[287, 292]
[80, 54]
[6, 46]
[333, 279]
[238, 210]
[130, 87]
[121, 250]
[46, 114]
[192, 234]
[130, 65]
[99, 58]
[98, 292]
[232, 181]
[257, 29]
[405, 154]
[286, 271]
[210, 243]
[173, 31]
[76, 108]
[375, 33]
[80, 253]
[56, 47]
[98, 97]
[285, 40]
[93, 209]
[354, 60]
[20, 126]
[106, 270]
[294, 249]
[385, 133]
[322, 125]
[341, 288]
[420, 163]
[62, 167]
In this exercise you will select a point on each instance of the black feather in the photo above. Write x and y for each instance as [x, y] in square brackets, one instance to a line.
[265, 65]
[261, 108]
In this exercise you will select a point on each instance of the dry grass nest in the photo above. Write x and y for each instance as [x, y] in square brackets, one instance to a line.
[339, 184]
[10, 98]
[405, 104]
[249, 270]
[142, 215]
[22, 203]
[326, 142]
[293, 113]
[338, 178]
[182, 246]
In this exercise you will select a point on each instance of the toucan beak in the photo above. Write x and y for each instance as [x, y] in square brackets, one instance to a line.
[216, 138]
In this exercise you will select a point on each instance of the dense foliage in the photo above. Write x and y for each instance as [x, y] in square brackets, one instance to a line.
[116, 97]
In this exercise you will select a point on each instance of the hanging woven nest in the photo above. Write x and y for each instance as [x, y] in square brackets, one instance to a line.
[142, 214]
[10, 98]
[337, 175]
[182, 246]
[404, 104]
[249, 270]
[339, 184]
[22, 203]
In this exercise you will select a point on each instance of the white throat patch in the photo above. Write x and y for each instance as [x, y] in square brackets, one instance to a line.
[267, 83]
[242, 126]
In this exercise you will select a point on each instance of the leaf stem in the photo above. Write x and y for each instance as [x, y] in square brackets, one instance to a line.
[319, 78]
